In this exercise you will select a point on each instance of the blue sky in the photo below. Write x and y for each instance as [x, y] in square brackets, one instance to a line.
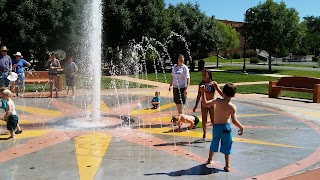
[234, 9]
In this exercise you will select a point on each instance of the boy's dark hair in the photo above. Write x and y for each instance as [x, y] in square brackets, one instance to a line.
[174, 119]
[229, 90]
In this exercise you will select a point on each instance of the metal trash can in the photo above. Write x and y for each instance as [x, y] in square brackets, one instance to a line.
[201, 64]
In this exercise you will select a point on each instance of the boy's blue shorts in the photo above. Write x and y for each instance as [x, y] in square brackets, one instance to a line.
[223, 133]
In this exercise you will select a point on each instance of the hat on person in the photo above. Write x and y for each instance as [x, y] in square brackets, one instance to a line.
[4, 48]
[17, 54]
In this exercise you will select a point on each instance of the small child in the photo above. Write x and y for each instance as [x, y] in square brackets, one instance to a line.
[11, 113]
[4, 107]
[156, 101]
[182, 118]
[222, 129]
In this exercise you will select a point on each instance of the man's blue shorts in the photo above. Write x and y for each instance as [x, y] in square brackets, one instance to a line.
[223, 133]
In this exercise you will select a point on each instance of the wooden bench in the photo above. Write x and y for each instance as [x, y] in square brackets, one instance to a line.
[300, 84]
[40, 77]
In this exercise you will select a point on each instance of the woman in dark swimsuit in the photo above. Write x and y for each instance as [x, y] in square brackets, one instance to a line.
[211, 87]
[53, 64]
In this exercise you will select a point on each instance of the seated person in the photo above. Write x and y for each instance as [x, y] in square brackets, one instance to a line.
[156, 101]
[188, 119]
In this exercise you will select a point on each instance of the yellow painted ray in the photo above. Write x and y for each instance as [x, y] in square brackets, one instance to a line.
[149, 111]
[165, 119]
[90, 149]
[195, 134]
[28, 134]
[103, 106]
[39, 111]
[310, 113]
[22, 121]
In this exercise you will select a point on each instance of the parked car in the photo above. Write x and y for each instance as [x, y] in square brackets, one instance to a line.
[286, 59]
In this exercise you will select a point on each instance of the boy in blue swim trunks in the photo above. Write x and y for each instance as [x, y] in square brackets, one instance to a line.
[221, 132]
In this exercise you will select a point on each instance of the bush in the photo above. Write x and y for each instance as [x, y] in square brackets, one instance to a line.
[236, 56]
[254, 60]
[251, 53]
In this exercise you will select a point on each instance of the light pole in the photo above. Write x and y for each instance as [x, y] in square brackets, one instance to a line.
[244, 70]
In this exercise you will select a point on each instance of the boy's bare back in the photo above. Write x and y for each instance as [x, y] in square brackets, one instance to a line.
[224, 109]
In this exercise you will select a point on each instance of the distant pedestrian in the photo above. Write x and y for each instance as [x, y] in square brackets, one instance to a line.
[18, 65]
[180, 81]
[53, 64]
[5, 66]
[70, 69]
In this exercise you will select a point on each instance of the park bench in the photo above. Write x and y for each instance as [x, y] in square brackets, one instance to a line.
[40, 77]
[300, 84]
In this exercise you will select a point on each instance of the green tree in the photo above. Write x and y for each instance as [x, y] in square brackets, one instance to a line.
[230, 39]
[311, 39]
[126, 20]
[199, 30]
[40, 25]
[272, 25]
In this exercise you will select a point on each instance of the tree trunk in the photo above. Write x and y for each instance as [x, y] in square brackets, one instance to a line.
[217, 58]
[270, 50]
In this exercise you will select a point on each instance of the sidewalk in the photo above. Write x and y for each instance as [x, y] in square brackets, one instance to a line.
[192, 88]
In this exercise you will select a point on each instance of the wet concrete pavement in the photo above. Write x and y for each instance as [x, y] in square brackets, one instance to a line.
[281, 139]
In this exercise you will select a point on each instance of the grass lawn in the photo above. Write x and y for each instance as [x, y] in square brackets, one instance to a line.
[297, 65]
[263, 89]
[264, 70]
[214, 59]
[220, 77]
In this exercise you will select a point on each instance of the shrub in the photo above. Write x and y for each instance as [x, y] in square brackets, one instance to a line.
[251, 53]
[254, 60]
[236, 56]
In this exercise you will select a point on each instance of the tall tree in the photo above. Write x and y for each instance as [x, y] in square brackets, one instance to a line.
[126, 20]
[272, 25]
[311, 40]
[199, 30]
[40, 25]
[230, 39]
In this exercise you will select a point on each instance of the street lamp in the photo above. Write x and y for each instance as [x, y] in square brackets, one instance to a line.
[245, 40]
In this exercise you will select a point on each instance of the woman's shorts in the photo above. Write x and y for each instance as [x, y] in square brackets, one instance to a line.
[70, 81]
[12, 122]
[20, 80]
[178, 96]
